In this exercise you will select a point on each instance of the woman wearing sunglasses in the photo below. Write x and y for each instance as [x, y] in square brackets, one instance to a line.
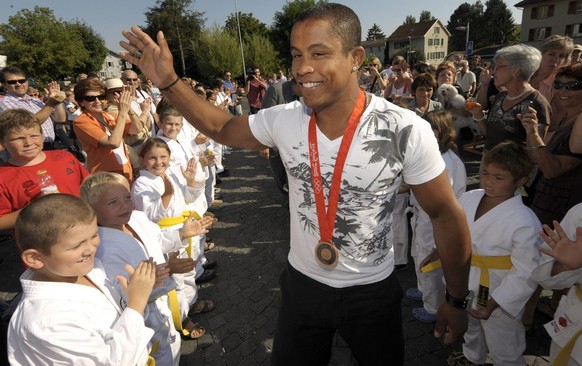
[101, 133]
[560, 169]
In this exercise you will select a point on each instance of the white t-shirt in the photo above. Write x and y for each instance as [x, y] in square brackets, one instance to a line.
[391, 144]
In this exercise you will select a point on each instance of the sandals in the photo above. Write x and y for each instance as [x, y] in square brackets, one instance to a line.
[414, 294]
[458, 359]
[202, 306]
[209, 245]
[423, 316]
[195, 331]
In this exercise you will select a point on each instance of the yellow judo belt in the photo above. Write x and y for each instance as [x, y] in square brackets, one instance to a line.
[167, 222]
[484, 263]
[151, 359]
[563, 356]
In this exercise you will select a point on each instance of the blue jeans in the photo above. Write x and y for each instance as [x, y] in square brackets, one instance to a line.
[368, 317]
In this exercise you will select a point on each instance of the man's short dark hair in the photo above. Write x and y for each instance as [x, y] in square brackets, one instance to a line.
[11, 70]
[344, 23]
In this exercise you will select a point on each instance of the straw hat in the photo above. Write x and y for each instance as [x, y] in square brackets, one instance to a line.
[113, 84]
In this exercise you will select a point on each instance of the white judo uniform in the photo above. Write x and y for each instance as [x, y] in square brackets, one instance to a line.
[118, 248]
[568, 317]
[146, 194]
[509, 229]
[63, 323]
[431, 283]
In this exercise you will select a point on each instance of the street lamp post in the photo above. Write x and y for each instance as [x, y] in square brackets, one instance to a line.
[462, 28]
[242, 52]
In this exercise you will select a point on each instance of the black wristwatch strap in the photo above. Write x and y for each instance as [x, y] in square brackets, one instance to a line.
[456, 302]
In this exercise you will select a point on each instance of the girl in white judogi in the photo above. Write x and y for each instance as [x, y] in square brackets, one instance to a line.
[430, 282]
[70, 312]
[162, 192]
[564, 270]
[505, 240]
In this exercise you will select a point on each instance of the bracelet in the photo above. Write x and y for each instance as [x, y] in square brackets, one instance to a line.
[479, 119]
[171, 85]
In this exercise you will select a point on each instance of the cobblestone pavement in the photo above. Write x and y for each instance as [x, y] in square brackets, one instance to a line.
[252, 243]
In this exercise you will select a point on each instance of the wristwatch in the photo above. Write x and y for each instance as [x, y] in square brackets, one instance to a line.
[459, 303]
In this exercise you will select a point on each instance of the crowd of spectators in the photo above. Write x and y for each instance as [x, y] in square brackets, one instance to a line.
[170, 171]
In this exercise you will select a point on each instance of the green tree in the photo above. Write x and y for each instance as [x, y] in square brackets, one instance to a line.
[426, 16]
[466, 13]
[41, 45]
[280, 34]
[259, 52]
[411, 54]
[94, 44]
[249, 25]
[179, 24]
[410, 19]
[375, 33]
[499, 24]
[212, 60]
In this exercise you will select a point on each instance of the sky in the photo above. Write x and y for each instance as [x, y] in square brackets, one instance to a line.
[110, 17]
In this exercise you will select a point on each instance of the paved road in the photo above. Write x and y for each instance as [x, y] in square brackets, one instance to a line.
[252, 238]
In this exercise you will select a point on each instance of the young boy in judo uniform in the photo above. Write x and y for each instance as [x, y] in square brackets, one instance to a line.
[564, 270]
[504, 233]
[129, 237]
[70, 312]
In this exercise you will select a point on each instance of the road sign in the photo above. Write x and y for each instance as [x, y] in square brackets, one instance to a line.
[469, 48]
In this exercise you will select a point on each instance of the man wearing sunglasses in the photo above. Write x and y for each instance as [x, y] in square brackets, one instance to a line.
[16, 85]
[129, 78]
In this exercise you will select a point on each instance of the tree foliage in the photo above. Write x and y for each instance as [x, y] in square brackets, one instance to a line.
[94, 44]
[411, 54]
[499, 24]
[212, 60]
[179, 24]
[249, 25]
[410, 19]
[473, 14]
[426, 16]
[375, 33]
[259, 52]
[44, 47]
[489, 25]
[280, 34]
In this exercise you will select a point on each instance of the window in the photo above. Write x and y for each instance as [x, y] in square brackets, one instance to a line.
[544, 11]
[430, 42]
[110, 64]
[539, 34]
[574, 30]
[437, 30]
[575, 7]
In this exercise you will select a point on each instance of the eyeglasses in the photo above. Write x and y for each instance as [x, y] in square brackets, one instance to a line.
[92, 98]
[571, 85]
[132, 79]
[13, 82]
[115, 91]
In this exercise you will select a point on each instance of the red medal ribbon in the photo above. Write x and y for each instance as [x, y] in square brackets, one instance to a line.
[325, 219]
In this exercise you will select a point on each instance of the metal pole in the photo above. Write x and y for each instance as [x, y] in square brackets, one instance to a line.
[242, 52]
[467, 42]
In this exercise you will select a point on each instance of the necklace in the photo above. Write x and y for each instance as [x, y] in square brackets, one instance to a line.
[525, 90]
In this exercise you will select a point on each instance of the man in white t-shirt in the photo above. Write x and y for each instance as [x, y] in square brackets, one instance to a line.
[340, 271]
[466, 79]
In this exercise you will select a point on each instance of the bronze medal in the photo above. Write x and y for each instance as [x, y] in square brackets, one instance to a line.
[327, 254]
